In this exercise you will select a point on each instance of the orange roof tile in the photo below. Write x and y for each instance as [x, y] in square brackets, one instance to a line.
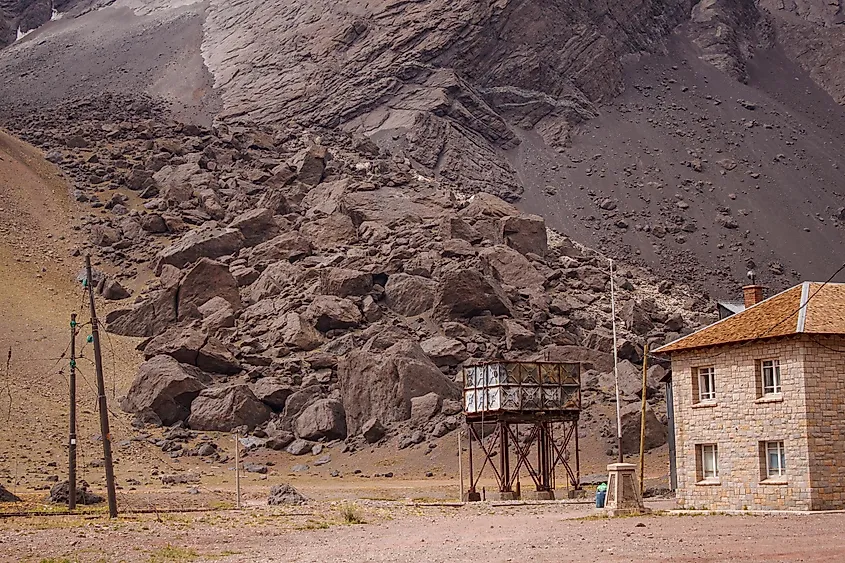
[810, 307]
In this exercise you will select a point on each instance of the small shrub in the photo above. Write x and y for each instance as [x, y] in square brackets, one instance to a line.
[351, 515]
[172, 553]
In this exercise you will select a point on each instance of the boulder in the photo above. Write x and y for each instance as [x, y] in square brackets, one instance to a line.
[324, 418]
[452, 226]
[256, 225]
[286, 246]
[463, 292]
[217, 313]
[409, 295]
[590, 359]
[630, 380]
[6, 496]
[153, 223]
[272, 392]
[373, 430]
[382, 385]
[327, 312]
[636, 318]
[298, 334]
[297, 402]
[344, 282]
[165, 387]
[444, 351]
[113, 291]
[424, 408]
[188, 345]
[313, 166]
[298, 447]
[222, 409]
[525, 234]
[206, 280]
[273, 280]
[60, 494]
[510, 267]
[285, 494]
[177, 182]
[654, 377]
[103, 235]
[200, 243]
[656, 432]
[330, 232]
[518, 337]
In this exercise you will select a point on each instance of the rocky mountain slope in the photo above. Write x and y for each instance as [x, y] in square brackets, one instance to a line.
[311, 287]
[728, 107]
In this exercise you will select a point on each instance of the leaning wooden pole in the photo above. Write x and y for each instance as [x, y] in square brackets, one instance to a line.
[71, 456]
[642, 420]
[461, 462]
[101, 395]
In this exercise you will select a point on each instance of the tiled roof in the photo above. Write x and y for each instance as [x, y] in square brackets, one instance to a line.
[808, 308]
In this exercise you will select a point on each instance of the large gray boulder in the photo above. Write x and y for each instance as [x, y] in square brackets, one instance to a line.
[296, 333]
[285, 494]
[510, 267]
[6, 496]
[344, 282]
[191, 346]
[525, 234]
[409, 295]
[444, 351]
[324, 418]
[327, 312]
[200, 243]
[148, 318]
[463, 292]
[382, 385]
[272, 392]
[656, 433]
[222, 409]
[165, 387]
[256, 225]
[287, 246]
[206, 280]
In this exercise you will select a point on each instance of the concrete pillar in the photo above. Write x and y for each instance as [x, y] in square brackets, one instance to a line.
[623, 491]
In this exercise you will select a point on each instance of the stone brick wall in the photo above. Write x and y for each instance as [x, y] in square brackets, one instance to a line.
[825, 392]
[739, 420]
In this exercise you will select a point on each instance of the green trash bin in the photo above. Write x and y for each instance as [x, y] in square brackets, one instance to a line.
[601, 495]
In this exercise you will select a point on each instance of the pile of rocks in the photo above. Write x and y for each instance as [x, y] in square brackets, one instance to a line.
[310, 288]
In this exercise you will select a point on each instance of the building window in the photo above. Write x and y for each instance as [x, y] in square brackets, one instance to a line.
[707, 462]
[704, 384]
[770, 376]
[775, 456]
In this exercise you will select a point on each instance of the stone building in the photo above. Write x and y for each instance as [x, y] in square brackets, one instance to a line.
[759, 404]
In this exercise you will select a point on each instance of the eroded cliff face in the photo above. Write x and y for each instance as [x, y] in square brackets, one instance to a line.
[559, 105]
[451, 82]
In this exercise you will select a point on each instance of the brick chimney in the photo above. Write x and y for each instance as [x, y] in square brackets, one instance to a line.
[752, 294]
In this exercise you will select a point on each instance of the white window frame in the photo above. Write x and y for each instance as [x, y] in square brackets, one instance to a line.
[774, 368]
[776, 447]
[712, 451]
[708, 374]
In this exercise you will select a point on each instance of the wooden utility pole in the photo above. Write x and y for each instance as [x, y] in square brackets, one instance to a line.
[237, 469]
[461, 463]
[71, 461]
[101, 399]
[642, 419]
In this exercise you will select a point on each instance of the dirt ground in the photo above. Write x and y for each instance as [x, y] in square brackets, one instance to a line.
[380, 531]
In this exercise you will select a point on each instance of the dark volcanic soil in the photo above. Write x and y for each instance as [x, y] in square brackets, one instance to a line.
[774, 169]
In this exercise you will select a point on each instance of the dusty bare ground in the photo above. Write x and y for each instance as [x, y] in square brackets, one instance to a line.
[391, 532]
